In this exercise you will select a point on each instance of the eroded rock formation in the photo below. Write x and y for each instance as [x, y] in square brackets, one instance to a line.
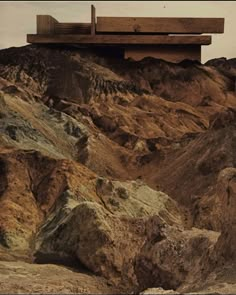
[118, 175]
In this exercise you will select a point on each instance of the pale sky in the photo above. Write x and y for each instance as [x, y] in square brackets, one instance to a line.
[18, 18]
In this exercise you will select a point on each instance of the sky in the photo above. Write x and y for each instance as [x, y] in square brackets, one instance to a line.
[18, 18]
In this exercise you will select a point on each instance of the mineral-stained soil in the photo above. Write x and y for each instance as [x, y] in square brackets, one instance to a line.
[116, 176]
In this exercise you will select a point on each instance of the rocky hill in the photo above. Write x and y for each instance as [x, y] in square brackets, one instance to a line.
[116, 176]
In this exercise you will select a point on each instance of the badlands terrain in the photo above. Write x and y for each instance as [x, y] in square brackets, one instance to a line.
[116, 176]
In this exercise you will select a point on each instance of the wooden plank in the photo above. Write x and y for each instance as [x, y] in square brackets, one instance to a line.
[119, 39]
[93, 16]
[45, 24]
[72, 28]
[160, 25]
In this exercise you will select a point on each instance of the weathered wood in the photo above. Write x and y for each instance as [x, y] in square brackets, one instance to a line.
[160, 25]
[46, 24]
[118, 39]
[72, 28]
[172, 53]
[93, 20]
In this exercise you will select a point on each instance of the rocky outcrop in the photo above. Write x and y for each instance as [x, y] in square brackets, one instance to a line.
[97, 235]
[31, 183]
[226, 66]
[121, 169]
[172, 256]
